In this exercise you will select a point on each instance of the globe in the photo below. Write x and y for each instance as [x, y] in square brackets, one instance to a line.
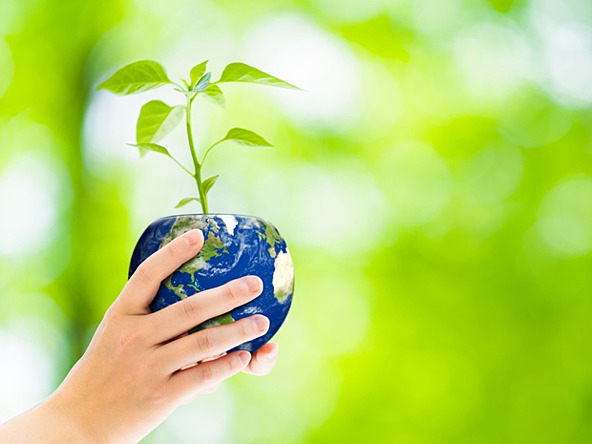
[234, 246]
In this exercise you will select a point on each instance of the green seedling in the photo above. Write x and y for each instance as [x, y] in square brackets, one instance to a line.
[157, 119]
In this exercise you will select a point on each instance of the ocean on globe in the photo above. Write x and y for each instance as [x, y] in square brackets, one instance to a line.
[234, 246]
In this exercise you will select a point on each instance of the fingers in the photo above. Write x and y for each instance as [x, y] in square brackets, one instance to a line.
[143, 285]
[210, 389]
[212, 341]
[182, 316]
[259, 364]
[188, 383]
[263, 360]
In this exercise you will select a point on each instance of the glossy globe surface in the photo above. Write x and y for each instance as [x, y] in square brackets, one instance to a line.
[234, 246]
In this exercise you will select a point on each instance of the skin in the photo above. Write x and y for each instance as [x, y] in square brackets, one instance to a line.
[140, 365]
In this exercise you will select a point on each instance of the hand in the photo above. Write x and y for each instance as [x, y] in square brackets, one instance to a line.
[140, 365]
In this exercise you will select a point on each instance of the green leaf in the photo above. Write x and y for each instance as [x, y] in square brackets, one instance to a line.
[209, 183]
[186, 201]
[197, 71]
[152, 147]
[241, 72]
[246, 137]
[214, 94]
[203, 83]
[136, 77]
[156, 120]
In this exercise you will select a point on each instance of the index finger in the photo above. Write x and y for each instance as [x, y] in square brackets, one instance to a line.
[141, 288]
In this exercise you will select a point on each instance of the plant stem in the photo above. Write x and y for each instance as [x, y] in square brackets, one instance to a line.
[196, 164]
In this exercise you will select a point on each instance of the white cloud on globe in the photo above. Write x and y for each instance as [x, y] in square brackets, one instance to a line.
[230, 222]
[283, 276]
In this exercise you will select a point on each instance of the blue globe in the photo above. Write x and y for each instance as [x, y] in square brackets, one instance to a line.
[234, 246]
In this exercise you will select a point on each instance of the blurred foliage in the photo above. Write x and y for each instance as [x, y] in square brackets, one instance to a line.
[434, 185]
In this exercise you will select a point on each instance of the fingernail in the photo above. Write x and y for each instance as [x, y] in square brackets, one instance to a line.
[273, 353]
[261, 322]
[254, 283]
[244, 356]
[193, 236]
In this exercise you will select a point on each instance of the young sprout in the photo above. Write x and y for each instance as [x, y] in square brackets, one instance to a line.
[157, 119]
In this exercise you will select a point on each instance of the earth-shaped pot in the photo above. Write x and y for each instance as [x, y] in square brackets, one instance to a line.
[234, 246]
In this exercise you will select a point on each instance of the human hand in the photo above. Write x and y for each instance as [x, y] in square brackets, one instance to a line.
[140, 365]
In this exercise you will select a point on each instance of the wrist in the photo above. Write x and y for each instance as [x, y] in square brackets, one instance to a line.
[68, 422]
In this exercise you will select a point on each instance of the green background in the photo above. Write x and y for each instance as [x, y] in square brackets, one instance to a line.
[433, 183]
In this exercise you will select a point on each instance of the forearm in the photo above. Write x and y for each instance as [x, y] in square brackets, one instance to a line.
[44, 423]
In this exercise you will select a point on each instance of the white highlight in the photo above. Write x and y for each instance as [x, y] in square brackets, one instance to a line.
[569, 61]
[493, 59]
[566, 39]
[27, 372]
[28, 199]
[295, 49]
